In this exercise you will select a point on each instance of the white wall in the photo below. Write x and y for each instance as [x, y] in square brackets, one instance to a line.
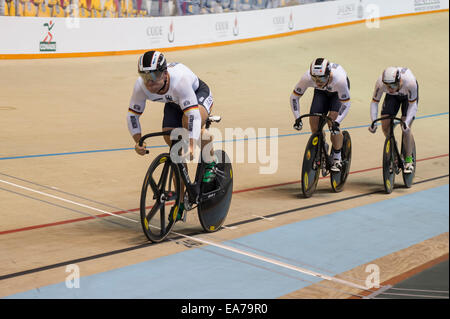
[24, 35]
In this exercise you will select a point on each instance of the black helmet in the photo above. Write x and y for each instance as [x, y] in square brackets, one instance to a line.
[151, 65]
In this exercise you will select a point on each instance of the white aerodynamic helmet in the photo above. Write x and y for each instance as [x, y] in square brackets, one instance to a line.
[320, 70]
[391, 77]
[151, 65]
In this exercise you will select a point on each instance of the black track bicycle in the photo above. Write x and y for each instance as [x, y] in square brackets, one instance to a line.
[161, 191]
[393, 160]
[317, 158]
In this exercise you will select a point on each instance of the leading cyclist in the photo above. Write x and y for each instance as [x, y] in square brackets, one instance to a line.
[188, 102]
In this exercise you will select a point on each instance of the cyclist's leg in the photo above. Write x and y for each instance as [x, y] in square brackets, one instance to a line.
[207, 138]
[204, 115]
[336, 139]
[335, 107]
[173, 119]
[205, 102]
[408, 138]
[319, 104]
[391, 105]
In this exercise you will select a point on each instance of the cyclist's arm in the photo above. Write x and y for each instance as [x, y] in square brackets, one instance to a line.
[295, 104]
[194, 121]
[377, 93]
[189, 106]
[412, 99]
[344, 97]
[135, 110]
[297, 93]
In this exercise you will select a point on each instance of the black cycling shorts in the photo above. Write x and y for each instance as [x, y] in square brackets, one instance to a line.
[392, 103]
[173, 115]
[325, 101]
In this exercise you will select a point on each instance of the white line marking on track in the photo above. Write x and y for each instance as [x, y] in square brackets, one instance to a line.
[378, 292]
[262, 217]
[229, 227]
[423, 290]
[275, 262]
[68, 201]
[225, 247]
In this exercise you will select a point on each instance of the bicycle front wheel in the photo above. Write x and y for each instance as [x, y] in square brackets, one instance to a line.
[311, 165]
[388, 165]
[160, 198]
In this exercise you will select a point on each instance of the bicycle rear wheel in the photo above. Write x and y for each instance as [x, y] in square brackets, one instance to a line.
[311, 165]
[409, 178]
[388, 165]
[160, 197]
[338, 179]
[216, 198]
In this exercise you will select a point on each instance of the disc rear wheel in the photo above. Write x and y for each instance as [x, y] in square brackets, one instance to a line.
[216, 195]
[408, 179]
[338, 179]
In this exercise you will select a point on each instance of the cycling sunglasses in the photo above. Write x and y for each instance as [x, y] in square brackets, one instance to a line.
[320, 78]
[393, 86]
[151, 76]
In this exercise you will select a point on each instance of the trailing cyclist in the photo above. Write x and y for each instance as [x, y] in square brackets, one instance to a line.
[331, 95]
[402, 90]
[188, 101]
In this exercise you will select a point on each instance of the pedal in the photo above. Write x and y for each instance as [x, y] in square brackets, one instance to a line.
[187, 205]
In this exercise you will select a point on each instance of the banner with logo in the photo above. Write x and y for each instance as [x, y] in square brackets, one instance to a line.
[74, 35]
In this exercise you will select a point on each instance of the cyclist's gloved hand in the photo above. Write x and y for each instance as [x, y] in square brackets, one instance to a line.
[406, 129]
[140, 149]
[335, 128]
[372, 128]
[298, 125]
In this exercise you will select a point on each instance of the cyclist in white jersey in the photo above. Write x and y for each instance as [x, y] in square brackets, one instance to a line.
[331, 96]
[188, 102]
[402, 90]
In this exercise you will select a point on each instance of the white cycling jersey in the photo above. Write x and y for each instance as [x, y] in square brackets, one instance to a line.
[182, 86]
[337, 84]
[408, 87]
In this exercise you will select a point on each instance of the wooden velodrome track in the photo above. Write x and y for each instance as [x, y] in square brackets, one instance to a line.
[66, 154]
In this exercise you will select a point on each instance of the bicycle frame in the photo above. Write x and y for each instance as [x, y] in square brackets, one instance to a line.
[192, 188]
[391, 136]
[323, 119]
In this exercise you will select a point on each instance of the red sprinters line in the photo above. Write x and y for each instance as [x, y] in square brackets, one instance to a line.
[354, 172]
[136, 209]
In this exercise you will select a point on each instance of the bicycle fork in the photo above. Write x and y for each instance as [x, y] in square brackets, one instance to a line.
[321, 159]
